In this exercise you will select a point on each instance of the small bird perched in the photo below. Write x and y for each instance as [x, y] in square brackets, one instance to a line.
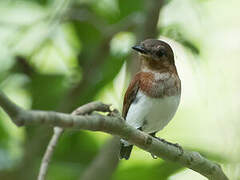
[153, 96]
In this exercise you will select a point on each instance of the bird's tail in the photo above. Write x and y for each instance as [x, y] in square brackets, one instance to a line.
[125, 150]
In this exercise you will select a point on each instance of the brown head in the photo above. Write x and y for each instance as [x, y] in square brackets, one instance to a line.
[155, 54]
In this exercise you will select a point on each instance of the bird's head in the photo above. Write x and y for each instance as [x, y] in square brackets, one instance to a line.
[155, 52]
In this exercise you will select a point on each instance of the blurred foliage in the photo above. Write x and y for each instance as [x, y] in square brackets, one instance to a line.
[161, 170]
[176, 32]
[58, 55]
[4, 136]
[46, 98]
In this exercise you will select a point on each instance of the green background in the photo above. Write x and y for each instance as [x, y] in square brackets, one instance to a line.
[60, 54]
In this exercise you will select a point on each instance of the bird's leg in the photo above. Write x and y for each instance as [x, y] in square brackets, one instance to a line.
[169, 143]
[153, 156]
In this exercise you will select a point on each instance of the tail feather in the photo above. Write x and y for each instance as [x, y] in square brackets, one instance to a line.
[125, 151]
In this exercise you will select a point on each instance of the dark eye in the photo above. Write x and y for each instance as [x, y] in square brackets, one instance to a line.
[161, 52]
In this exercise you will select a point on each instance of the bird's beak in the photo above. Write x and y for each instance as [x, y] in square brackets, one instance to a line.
[140, 49]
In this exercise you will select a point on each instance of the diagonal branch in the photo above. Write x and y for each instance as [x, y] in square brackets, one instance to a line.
[85, 109]
[115, 126]
[49, 152]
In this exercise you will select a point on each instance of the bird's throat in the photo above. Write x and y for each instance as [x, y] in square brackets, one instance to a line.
[157, 66]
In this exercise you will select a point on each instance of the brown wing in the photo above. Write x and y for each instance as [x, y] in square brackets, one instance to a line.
[130, 94]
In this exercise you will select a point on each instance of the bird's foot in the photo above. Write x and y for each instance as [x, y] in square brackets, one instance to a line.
[179, 147]
[172, 144]
[116, 113]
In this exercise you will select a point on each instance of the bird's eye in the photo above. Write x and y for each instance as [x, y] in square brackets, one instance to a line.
[160, 52]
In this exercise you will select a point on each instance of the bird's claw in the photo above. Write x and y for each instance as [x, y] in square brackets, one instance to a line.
[172, 144]
[179, 147]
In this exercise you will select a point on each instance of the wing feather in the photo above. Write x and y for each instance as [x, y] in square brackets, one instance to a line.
[130, 94]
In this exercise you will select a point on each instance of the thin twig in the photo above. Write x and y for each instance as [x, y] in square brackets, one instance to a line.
[100, 56]
[58, 131]
[49, 152]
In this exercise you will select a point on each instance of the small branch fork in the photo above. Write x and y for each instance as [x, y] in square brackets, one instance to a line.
[58, 131]
[112, 124]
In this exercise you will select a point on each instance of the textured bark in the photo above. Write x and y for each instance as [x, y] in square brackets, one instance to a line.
[114, 125]
[85, 109]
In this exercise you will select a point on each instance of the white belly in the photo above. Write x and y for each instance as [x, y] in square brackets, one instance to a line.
[152, 114]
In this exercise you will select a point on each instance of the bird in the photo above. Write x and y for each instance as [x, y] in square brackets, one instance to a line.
[153, 96]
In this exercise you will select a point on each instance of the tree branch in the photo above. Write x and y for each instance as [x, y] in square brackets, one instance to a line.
[85, 109]
[49, 152]
[89, 72]
[115, 126]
